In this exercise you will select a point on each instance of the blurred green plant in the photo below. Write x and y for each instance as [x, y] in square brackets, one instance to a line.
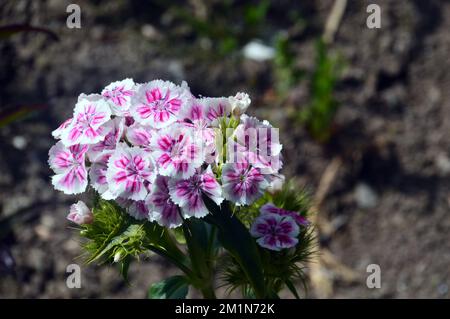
[318, 116]
[226, 26]
[287, 74]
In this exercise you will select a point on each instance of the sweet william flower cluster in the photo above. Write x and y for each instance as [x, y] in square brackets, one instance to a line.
[157, 150]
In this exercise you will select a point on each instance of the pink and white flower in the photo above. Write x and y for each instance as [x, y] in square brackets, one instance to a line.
[256, 142]
[137, 209]
[130, 172]
[162, 209]
[97, 175]
[187, 193]
[158, 103]
[242, 183]
[177, 151]
[215, 108]
[57, 133]
[69, 165]
[119, 94]
[270, 208]
[140, 135]
[195, 116]
[113, 131]
[86, 126]
[275, 232]
[80, 214]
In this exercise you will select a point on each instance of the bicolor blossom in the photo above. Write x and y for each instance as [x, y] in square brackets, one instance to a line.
[201, 116]
[178, 151]
[275, 232]
[113, 131]
[158, 103]
[270, 208]
[80, 214]
[86, 126]
[188, 193]
[68, 163]
[161, 207]
[242, 183]
[130, 172]
[57, 133]
[215, 108]
[97, 175]
[256, 142]
[137, 209]
[140, 135]
[119, 94]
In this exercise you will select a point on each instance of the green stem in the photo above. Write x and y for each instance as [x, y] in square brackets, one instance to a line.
[211, 241]
[172, 259]
[208, 291]
[200, 242]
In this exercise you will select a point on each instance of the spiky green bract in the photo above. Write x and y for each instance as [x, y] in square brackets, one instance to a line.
[107, 232]
[114, 236]
[281, 268]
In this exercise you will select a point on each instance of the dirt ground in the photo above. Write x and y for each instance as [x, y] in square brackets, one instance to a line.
[389, 203]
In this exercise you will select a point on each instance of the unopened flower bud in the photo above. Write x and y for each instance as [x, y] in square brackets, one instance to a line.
[117, 257]
[276, 183]
[80, 214]
[239, 103]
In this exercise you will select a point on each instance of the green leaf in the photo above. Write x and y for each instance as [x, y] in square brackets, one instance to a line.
[196, 234]
[236, 239]
[7, 31]
[178, 235]
[124, 265]
[175, 287]
[17, 113]
[292, 288]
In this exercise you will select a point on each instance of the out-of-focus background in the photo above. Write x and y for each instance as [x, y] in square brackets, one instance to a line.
[364, 116]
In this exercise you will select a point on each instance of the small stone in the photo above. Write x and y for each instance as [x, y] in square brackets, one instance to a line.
[149, 31]
[37, 259]
[365, 196]
[19, 142]
[43, 232]
[443, 163]
[71, 246]
[442, 289]
[48, 221]
[176, 69]
[257, 51]
[7, 262]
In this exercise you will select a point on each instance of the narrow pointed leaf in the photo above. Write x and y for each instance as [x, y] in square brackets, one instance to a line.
[175, 287]
[7, 31]
[292, 288]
